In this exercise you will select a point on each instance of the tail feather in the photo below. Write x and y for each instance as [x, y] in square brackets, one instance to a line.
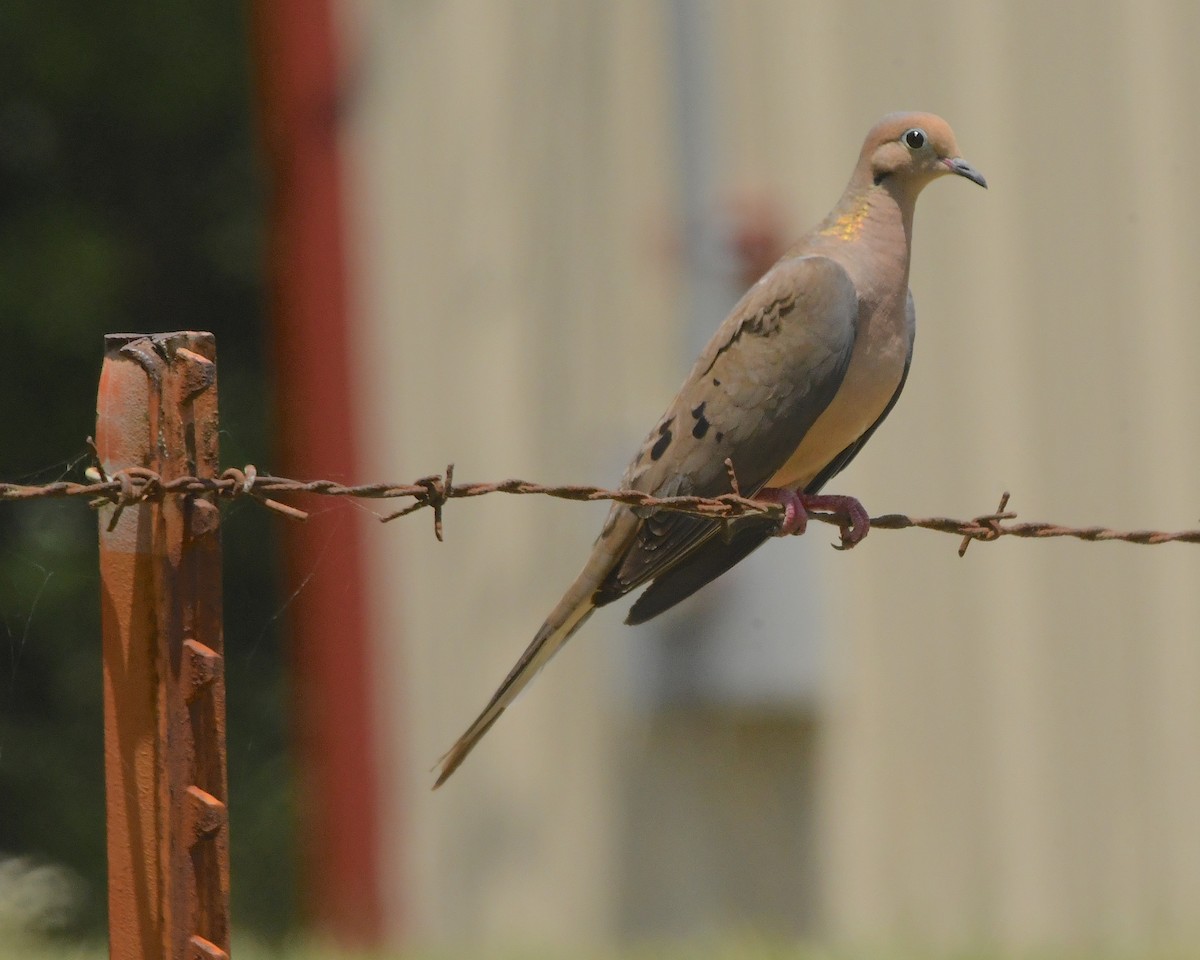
[556, 631]
[568, 616]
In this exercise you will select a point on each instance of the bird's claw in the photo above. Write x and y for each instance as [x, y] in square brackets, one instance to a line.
[795, 517]
[858, 521]
[796, 507]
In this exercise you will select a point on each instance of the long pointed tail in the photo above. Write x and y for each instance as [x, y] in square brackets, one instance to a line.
[567, 617]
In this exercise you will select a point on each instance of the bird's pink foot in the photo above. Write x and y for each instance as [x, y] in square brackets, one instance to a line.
[855, 525]
[795, 517]
[854, 521]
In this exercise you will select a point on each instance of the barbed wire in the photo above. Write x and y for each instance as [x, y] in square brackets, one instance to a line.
[133, 485]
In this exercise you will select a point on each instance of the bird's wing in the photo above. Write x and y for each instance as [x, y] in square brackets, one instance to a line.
[716, 555]
[768, 374]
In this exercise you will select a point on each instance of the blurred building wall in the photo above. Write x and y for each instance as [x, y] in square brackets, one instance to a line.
[1001, 749]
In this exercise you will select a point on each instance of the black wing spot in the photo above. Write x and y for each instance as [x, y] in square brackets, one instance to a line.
[716, 382]
[766, 323]
[719, 436]
[701, 427]
[664, 441]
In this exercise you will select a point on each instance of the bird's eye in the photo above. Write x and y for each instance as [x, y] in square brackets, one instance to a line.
[915, 138]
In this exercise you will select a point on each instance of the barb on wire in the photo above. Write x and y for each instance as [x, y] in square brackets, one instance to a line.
[133, 485]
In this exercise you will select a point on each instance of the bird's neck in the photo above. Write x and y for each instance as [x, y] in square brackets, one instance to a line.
[869, 232]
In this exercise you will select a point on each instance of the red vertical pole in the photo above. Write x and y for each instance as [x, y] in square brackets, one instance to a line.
[300, 106]
[164, 689]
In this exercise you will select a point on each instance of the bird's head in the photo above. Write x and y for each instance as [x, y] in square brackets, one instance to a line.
[905, 151]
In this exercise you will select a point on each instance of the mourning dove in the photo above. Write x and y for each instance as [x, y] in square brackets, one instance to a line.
[793, 383]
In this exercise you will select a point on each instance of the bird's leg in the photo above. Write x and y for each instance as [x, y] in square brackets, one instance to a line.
[797, 505]
[857, 521]
[795, 517]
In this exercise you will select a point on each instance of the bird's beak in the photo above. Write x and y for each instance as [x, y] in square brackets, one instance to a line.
[963, 169]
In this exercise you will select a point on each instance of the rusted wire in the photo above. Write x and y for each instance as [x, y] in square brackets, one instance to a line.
[133, 485]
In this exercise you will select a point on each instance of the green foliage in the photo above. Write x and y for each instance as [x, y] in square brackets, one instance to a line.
[130, 200]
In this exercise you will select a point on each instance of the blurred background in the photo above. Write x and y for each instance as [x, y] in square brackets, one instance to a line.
[496, 234]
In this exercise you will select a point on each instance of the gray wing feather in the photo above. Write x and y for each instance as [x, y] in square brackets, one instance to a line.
[771, 369]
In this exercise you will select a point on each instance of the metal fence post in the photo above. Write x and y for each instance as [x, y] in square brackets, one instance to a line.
[164, 688]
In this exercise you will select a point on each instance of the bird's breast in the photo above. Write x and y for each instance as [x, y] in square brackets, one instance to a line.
[876, 367]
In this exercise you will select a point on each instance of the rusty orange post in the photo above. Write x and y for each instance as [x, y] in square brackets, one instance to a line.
[164, 688]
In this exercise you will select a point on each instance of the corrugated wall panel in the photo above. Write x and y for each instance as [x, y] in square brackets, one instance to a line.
[1010, 748]
[512, 183]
